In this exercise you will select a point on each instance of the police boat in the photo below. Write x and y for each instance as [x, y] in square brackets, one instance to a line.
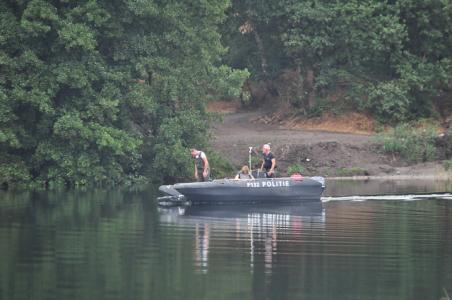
[259, 190]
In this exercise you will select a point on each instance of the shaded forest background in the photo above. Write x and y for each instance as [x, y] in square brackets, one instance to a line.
[391, 59]
[114, 92]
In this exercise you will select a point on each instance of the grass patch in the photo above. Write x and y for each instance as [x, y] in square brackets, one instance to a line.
[296, 168]
[416, 144]
[448, 165]
[351, 172]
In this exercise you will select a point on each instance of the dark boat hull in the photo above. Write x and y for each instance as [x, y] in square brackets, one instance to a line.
[248, 191]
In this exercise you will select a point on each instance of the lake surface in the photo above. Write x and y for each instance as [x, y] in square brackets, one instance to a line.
[118, 244]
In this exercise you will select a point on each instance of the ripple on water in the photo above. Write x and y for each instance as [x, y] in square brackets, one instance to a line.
[445, 196]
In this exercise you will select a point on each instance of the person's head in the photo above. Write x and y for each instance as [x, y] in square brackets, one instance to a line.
[193, 152]
[245, 169]
[266, 148]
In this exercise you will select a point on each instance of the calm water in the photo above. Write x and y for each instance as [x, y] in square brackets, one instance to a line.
[119, 245]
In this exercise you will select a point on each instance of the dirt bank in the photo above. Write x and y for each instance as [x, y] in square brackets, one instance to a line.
[318, 152]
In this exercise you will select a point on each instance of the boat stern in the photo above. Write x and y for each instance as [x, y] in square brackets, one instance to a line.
[320, 180]
[172, 197]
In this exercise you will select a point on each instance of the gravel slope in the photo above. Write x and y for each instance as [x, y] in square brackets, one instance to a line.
[319, 152]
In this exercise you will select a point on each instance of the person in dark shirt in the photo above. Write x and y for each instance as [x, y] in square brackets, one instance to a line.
[268, 161]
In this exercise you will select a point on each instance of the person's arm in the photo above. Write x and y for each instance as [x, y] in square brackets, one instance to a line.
[196, 171]
[262, 165]
[251, 175]
[272, 169]
[206, 165]
[237, 177]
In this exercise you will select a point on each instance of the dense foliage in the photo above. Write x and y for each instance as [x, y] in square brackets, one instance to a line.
[107, 91]
[414, 144]
[115, 91]
[390, 58]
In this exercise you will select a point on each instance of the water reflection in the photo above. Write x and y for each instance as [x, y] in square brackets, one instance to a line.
[117, 245]
[385, 186]
[262, 226]
[201, 247]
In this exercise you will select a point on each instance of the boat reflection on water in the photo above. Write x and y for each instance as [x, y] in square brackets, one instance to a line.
[260, 228]
[303, 209]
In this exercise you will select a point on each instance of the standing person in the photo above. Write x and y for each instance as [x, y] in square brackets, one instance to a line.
[268, 161]
[202, 171]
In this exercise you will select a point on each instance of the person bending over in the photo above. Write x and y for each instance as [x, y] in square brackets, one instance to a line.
[202, 170]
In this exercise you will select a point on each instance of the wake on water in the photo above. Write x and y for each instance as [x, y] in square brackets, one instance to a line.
[410, 197]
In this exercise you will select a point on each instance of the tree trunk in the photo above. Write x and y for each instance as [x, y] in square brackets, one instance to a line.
[260, 48]
[309, 88]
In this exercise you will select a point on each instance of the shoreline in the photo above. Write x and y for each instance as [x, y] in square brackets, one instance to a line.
[442, 177]
[322, 153]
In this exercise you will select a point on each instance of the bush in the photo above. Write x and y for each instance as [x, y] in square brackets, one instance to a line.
[448, 165]
[390, 101]
[414, 144]
[13, 173]
[295, 168]
[219, 166]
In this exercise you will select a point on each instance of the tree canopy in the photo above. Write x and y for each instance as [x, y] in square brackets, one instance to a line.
[110, 91]
[392, 58]
[107, 91]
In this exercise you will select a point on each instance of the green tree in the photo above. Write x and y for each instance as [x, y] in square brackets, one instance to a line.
[101, 91]
[391, 58]
[252, 33]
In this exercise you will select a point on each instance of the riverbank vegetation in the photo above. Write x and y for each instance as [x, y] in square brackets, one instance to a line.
[112, 92]
[414, 144]
[107, 92]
